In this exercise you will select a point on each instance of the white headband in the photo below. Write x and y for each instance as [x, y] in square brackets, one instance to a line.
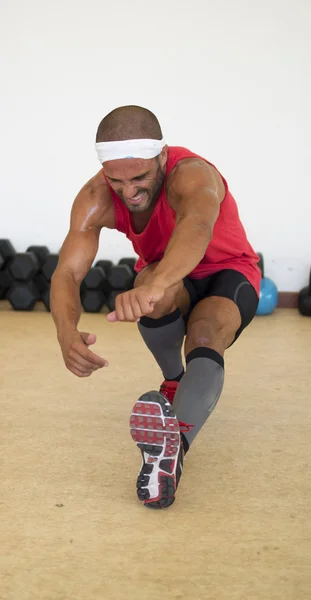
[144, 148]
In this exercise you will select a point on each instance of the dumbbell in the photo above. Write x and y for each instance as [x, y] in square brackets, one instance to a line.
[23, 293]
[24, 266]
[6, 281]
[111, 299]
[42, 279]
[2, 287]
[41, 283]
[105, 264]
[41, 252]
[49, 266]
[95, 279]
[94, 289]
[22, 281]
[45, 297]
[7, 251]
[130, 261]
[121, 277]
[48, 269]
[304, 300]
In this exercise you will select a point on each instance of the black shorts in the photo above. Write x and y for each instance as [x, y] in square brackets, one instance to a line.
[227, 283]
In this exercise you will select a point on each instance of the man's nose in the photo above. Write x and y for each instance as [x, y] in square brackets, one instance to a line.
[129, 190]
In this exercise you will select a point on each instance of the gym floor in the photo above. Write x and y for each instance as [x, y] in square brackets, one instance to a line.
[72, 527]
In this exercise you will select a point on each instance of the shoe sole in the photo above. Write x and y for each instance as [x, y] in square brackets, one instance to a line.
[155, 430]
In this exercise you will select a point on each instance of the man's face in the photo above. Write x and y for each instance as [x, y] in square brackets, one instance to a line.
[137, 181]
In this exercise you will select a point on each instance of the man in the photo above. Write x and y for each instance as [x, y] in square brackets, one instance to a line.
[198, 279]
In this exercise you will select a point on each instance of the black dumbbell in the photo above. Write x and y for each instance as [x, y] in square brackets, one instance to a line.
[121, 277]
[130, 261]
[105, 264]
[7, 250]
[41, 252]
[111, 299]
[24, 266]
[94, 288]
[49, 266]
[2, 291]
[23, 295]
[304, 300]
[96, 279]
[45, 297]
[41, 283]
[93, 300]
[23, 292]
[6, 281]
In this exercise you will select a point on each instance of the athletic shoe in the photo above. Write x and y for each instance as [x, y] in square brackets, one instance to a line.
[168, 389]
[155, 429]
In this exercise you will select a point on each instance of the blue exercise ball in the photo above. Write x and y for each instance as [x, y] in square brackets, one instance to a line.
[268, 298]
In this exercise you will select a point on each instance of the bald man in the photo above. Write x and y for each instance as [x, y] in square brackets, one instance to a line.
[198, 282]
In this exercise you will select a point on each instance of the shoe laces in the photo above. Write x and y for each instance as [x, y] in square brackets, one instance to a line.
[168, 389]
[184, 427]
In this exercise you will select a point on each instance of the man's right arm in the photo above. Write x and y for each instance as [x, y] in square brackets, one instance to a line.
[75, 259]
[91, 211]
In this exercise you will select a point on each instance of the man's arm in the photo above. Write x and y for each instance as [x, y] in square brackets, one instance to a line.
[76, 257]
[196, 193]
[90, 212]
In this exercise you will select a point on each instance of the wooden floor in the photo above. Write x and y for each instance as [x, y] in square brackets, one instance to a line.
[71, 525]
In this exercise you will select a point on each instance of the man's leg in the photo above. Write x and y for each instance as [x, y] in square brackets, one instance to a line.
[163, 332]
[157, 427]
[214, 325]
[154, 425]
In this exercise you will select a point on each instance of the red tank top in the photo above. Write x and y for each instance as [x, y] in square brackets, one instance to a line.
[228, 249]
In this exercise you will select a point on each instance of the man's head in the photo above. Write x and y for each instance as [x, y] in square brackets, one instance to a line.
[137, 181]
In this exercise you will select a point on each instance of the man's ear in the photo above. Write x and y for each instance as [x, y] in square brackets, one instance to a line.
[163, 156]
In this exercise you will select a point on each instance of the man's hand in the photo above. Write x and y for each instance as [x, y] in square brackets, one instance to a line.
[77, 357]
[140, 301]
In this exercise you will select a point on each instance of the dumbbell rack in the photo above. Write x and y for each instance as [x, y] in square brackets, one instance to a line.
[25, 278]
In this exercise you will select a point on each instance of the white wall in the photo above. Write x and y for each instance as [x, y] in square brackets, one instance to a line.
[230, 80]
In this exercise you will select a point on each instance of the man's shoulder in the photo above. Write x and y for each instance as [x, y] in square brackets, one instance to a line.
[191, 166]
[93, 204]
[193, 171]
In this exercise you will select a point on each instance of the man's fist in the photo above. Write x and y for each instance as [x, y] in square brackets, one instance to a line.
[140, 301]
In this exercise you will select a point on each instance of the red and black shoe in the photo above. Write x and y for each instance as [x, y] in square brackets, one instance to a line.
[156, 431]
[168, 389]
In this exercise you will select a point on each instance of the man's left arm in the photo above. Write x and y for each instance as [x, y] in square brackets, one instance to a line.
[195, 194]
